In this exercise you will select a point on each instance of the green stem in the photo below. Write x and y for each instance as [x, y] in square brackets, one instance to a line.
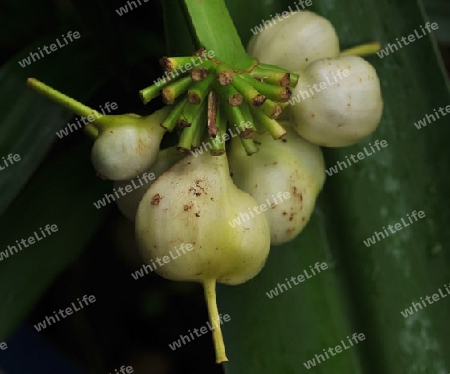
[276, 130]
[276, 93]
[249, 146]
[66, 101]
[209, 287]
[176, 89]
[250, 94]
[362, 50]
[198, 91]
[279, 78]
[171, 121]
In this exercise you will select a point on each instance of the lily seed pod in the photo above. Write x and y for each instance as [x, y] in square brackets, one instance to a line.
[128, 145]
[337, 102]
[129, 203]
[193, 204]
[295, 42]
[285, 175]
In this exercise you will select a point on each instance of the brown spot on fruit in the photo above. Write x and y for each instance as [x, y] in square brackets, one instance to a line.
[156, 199]
[197, 214]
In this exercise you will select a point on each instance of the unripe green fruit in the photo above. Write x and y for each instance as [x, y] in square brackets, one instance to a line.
[129, 203]
[295, 42]
[291, 165]
[346, 109]
[193, 202]
[128, 145]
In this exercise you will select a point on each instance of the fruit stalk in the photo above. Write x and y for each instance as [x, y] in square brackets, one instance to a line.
[209, 286]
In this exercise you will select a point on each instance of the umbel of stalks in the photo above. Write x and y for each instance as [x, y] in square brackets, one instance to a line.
[129, 203]
[128, 144]
[337, 102]
[295, 42]
[193, 203]
[291, 165]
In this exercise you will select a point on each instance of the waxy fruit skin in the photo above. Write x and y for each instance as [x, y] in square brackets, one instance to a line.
[343, 112]
[193, 203]
[129, 203]
[129, 146]
[293, 165]
[295, 42]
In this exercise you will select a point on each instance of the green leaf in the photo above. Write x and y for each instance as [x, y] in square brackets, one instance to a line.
[62, 193]
[215, 31]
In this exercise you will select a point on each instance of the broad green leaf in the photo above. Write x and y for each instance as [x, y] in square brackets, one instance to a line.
[215, 31]
[62, 193]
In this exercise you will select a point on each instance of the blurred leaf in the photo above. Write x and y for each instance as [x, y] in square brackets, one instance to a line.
[62, 193]
[28, 122]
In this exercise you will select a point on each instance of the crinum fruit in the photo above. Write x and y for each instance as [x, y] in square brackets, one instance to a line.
[337, 102]
[127, 144]
[128, 203]
[293, 43]
[291, 165]
[194, 204]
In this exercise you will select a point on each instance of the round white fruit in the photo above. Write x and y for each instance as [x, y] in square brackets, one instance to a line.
[337, 102]
[295, 42]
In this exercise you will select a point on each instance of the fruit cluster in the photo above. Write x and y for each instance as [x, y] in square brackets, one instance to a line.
[196, 196]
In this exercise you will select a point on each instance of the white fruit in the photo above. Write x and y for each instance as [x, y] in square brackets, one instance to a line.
[192, 206]
[295, 42]
[337, 102]
[292, 166]
[129, 203]
[194, 202]
[128, 145]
